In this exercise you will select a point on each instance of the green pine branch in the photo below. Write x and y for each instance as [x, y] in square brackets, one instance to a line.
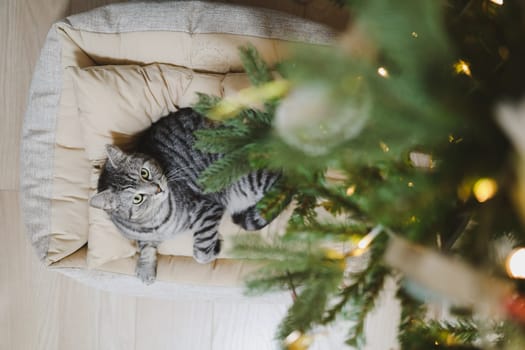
[223, 172]
[275, 200]
[464, 331]
[220, 140]
[205, 103]
[259, 118]
[308, 308]
[417, 332]
[362, 302]
[255, 67]
[236, 139]
[440, 335]
[411, 312]
[417, 106]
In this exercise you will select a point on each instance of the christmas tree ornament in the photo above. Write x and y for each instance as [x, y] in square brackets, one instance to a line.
[251, 97]
[471, 288]
[298, 341]
[515, 307]
[313, 119]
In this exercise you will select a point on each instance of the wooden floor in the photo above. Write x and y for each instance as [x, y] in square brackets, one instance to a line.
[40, 309]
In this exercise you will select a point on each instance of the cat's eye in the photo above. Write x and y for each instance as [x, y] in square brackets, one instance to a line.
[144, 173]
[138, 198]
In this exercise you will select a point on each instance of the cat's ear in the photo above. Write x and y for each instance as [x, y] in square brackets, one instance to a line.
[115, 155]
[103, 200]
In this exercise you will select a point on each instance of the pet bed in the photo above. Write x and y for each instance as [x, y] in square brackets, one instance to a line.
[107, 74]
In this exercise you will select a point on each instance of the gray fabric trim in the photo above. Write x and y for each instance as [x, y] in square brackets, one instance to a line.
[131, 285]
[201, 17]
[38, 144]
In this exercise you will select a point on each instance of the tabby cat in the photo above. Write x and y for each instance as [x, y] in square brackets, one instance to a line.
[153, 194]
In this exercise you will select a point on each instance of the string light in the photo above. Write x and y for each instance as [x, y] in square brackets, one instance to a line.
[484, 189]
[414, 35]
[515, 263]
[382, 72]
[384, 146]
[350, 190]
[366, 240]
[453, 139]
[497, 2]
[360, 248]
[462, 67]
[421, 160]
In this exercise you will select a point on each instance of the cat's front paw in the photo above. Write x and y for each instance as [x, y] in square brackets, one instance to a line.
[147, 273]
[203, 257]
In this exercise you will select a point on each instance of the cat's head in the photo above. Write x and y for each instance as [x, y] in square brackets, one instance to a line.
[131, 186]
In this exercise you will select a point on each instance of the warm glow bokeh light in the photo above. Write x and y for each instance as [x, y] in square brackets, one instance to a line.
[484, 189]
[516, 263]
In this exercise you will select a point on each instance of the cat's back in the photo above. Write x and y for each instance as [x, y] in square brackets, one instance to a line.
[181, 123]
[170, 141]
[173, 132]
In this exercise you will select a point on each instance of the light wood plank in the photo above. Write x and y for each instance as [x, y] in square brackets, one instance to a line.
[382, 323]
[23, 28]
[78, 322]
[167, 325]
[5, 324]
[49, 311]
[116, 321]
[246, 326]
[155, 325]
[26, 294]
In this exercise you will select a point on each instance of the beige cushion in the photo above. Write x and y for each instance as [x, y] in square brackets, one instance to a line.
[179, 34]
[79, 144]
[119, 101]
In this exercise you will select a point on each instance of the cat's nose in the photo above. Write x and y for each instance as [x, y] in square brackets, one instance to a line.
[158, 189]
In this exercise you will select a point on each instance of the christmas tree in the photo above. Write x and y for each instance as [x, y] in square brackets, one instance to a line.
[410, 132]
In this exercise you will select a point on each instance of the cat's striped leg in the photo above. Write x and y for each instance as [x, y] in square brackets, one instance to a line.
[243, 198]
[206, 239]
[147, 263]
[250, 219]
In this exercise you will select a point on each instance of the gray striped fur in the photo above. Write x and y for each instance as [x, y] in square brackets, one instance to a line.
[171, 199]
